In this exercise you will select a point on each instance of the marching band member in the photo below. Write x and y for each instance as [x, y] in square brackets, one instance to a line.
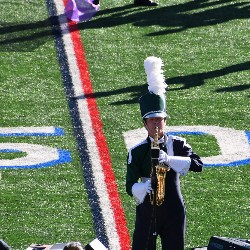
[167, 218]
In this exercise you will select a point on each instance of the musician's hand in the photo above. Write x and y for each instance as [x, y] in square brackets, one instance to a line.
[140, 190]
[147, 186]
[163, 159]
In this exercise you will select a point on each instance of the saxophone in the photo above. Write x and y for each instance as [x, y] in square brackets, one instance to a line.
[158, 173]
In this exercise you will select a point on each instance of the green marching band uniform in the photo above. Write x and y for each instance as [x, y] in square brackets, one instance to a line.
[170, 215]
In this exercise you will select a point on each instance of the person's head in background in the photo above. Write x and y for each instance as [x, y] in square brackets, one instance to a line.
[73, 246]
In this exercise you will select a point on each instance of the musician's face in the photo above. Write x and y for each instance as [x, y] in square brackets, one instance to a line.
[153, 122]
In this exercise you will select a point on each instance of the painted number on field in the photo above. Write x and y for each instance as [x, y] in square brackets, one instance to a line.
[234, 144]
[35, 155]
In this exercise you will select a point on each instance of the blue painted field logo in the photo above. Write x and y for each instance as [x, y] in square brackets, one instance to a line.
[36, 156]
[234, 144]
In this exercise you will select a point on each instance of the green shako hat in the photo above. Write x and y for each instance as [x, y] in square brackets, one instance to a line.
[153, 103]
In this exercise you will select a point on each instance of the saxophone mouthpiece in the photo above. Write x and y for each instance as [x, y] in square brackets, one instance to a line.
[155, 150]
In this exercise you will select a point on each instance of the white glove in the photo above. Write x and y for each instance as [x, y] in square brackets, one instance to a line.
[163, 159]
[179, 164]
[139, 190]
[147, 186]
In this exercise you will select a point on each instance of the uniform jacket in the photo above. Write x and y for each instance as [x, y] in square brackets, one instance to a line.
[139, 162]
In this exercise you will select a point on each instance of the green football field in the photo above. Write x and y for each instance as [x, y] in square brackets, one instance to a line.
[205, 46]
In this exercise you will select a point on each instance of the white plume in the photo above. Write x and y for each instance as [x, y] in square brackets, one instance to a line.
[155, 77]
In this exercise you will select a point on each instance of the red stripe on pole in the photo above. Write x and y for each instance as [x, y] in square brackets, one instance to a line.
[120, 220]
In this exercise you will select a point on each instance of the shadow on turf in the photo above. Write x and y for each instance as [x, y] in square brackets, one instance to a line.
[29, 36]
[189, 81]
[174, 18]
[25, 37]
